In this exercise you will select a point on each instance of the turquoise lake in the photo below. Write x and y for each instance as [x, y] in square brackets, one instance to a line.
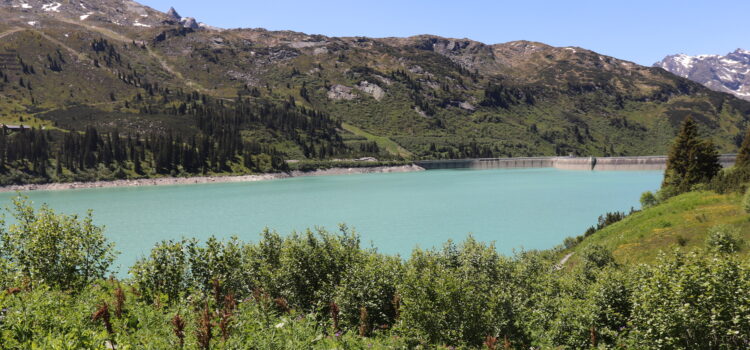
[516, 208]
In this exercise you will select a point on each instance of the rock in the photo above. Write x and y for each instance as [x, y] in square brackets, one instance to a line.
[416, 69]
[384, 80]
[728, 73]
[372, 89]
[320, 51]
[341, 92]
[173, 15]
[190, 22]
[467, 106]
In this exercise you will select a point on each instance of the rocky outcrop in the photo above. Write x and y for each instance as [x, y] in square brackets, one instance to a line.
[729, 73]
[371, 89]
[173, 15]
[340, 92]
[190, 22]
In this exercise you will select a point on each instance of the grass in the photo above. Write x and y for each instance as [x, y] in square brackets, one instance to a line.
[383, 142]
[680, 222]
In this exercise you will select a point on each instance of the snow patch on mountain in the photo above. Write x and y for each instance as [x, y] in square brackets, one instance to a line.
[53, 7]
[729, 73]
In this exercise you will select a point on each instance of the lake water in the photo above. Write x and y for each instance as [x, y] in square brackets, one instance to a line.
[516, 208]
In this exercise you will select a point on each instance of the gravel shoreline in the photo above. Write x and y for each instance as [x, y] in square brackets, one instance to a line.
[208, 179]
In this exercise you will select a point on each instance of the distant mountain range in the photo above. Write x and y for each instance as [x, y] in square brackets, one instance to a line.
[729, 73]
[119, 64]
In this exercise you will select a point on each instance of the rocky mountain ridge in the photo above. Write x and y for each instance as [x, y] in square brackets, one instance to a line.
[729, 73]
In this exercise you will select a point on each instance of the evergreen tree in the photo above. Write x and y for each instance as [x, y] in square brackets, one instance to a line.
[743, 157]
[691, 160]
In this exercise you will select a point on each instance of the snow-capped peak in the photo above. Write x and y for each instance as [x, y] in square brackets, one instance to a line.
[729, 73]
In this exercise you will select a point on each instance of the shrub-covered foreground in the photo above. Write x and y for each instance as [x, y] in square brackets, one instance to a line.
[322, 290]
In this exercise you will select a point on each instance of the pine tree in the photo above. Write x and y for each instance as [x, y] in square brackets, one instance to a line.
[743, 157]
[691, 160]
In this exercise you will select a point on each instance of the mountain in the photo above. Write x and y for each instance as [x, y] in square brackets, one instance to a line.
[118, 65]
[729, 73]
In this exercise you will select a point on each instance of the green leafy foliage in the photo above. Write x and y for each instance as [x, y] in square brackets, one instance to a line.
[321, 290]
[723, 239]
[648, 199]
[56, 250]
[688, 301]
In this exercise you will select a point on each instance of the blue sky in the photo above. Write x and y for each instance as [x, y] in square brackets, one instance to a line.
[637, 30]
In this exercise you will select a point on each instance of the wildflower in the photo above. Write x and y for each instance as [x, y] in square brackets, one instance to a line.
[179, 329]
[279, 325]
[103, 314]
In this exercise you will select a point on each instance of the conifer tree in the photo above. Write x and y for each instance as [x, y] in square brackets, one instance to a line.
[743, 157]
[691, 160]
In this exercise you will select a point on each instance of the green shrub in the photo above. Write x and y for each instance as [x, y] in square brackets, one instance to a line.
[311, 265]
[691, 302]
[57, 250]
[459, 295]
[723, 239]
[648, 199]
[746, 201]
[164, 273]
[595, 257]
[370, 283]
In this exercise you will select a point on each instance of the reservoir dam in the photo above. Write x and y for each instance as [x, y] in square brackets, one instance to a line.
[636, 163]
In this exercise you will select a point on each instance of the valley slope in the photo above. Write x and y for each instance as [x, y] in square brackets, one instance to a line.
[118, 65]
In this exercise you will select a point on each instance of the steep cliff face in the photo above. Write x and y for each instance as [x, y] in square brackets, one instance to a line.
[729, 73]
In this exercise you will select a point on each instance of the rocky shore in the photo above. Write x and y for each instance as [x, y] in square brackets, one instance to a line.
[208, 179]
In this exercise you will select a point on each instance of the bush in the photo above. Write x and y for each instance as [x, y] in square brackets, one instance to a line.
[730, 180]
[666, 192]
[304, 268]
[459, 295]
[570, 242]
[595, 257]
[370, 283]
[56, 250]
[164, 273]
[648, 199]
[746, 201]
[723, 239]
[311, 265]
[609, 218]
[691, 302]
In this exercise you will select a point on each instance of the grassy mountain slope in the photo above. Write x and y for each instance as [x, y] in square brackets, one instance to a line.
[681, 222]
[422, 96]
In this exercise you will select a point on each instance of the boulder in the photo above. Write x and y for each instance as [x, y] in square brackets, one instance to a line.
[372, 89]
[341, 92]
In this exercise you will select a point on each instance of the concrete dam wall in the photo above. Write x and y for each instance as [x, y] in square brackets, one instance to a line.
[565, 163]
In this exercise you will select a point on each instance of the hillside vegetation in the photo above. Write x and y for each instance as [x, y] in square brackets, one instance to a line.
[683, 222]
[389, 98]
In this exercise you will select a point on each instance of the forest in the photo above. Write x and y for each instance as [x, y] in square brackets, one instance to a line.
[216, 142]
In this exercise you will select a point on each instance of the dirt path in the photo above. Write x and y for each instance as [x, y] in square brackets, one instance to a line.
[560, 265]
[9, 32]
